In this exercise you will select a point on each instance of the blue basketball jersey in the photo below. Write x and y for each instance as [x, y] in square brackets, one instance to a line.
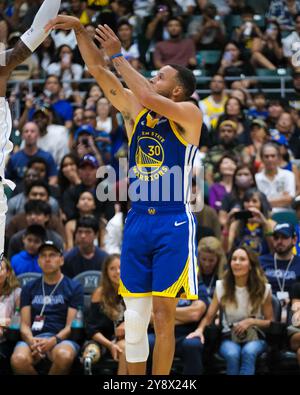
[160, 163]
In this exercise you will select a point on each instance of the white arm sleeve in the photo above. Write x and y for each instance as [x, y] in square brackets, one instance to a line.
[34, 36]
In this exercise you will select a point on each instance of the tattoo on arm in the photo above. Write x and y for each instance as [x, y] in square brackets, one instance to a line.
[126, 116]
[18, 55]
[113, 92]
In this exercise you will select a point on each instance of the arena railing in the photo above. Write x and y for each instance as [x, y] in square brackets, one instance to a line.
[281, 90]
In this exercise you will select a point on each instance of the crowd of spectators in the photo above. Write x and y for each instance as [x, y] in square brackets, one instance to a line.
[67, 129]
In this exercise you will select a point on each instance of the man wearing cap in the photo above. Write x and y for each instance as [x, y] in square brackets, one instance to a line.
[227, 144]
[53, 138]
[87, 171]
[85, 143]
[283, 267]
[48, 307]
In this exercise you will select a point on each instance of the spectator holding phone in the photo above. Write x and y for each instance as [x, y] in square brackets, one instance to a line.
[267, 50]
[248, 31]
[206, 31]
[85, 143]
[243, 179]
[233, 65]
[252, 225]
[64, 68]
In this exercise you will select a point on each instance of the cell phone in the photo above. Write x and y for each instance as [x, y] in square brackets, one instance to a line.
[243, 214]
[66, 58]
[85, 141]
[227, 56]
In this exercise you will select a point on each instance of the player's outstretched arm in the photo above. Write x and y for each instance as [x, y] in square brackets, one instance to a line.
[31, 39]
[185, 114]
[121, 98]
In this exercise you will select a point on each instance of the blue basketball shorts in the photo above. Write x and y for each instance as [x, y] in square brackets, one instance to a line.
[159, 254]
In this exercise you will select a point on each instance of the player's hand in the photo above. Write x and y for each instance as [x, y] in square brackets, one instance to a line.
[108, 39]
[63, 22]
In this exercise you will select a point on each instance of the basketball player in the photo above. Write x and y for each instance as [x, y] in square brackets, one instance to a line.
[9, 60]
[158, 262]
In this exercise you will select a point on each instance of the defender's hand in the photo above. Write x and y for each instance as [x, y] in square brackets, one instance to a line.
[64, 22]
[108, 40]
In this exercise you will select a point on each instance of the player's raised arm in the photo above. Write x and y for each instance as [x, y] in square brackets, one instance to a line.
[121, 98]
[182, 112]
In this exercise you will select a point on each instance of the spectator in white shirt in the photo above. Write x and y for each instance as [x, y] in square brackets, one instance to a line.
[65, 69]
[277, 184]
[289, 48]
[53, 138]
[129, 48]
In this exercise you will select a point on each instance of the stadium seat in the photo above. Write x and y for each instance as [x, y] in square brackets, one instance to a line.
[90, 281]
[232, 21]
[285, 216]
[208, 57]
[260, 20]
[26, 277]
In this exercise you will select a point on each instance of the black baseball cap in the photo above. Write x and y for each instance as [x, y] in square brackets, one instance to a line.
[51, 244]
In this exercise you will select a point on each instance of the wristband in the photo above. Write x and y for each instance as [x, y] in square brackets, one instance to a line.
[58, 339]
[116, 55]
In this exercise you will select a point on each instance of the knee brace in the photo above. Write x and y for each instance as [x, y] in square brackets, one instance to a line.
[34, 36]
[137, 317]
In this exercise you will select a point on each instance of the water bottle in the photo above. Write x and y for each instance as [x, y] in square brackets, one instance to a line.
[16, 320]
[77, 326]
[13, 333]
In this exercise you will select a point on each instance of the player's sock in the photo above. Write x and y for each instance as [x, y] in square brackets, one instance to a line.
[34, 36]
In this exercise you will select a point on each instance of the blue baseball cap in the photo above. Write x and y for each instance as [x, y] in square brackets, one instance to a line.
[84, 129]
[280, 139]
[89, 160]
[285, 229]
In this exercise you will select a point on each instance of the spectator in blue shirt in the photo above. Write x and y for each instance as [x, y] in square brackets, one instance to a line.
[85, 256]
[18, 162]
[26, 261]
[282, 268]
[63, 110]
[48, 307]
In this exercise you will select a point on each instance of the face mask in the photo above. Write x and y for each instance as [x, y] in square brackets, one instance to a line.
[243, 182]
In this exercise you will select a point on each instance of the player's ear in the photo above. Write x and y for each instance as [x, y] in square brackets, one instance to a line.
[178, 91]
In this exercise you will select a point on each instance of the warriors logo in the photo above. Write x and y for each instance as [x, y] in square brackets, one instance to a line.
[149, 155]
